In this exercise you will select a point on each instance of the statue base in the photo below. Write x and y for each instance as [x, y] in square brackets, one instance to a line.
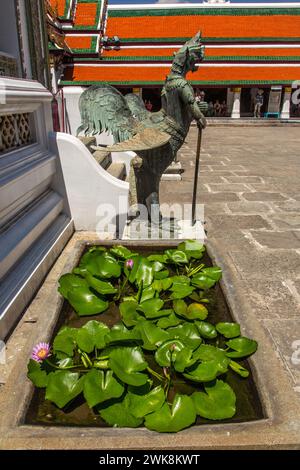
[173, 172]
[170, 229]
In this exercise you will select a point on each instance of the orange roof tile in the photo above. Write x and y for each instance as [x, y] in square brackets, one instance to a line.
[86, 14]
[59, 6]
[204, 74]
[212, 26]
[79, 42]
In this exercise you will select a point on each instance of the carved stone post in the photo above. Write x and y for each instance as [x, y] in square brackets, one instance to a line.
[235, 113]
[285, 111]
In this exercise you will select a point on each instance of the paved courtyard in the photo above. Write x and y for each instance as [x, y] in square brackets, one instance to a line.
[250, 187]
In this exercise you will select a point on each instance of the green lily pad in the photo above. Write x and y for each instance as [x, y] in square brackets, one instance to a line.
[129, 313]
[151, 308]
[102, 287]
[118, 414]
[119, 333]
[184, 359]
[162, 284]
[63, 386]
[147, 294]
[100, 386]
[181, 291]
[84, 302]
[121, 252]
[179, 280]
[180, 307]
[142, 272]
[239, 369]
[192, 248]
[214, 362]
[242, 347]
[229, 330]
[206, 329]
[68, 282]
[91, 336]
[65, 342]
[187, 333]
[181, 415]
[101, 264]
[127, 363]
[161, 274]
[152, 335]
[203, 372]
[207, 277]
[166, 354]
[196, 311]
[168, 321]
[157, 266]
[218, 401]
[160, 258]
[142, 405]
[176, 256]
[37, 376]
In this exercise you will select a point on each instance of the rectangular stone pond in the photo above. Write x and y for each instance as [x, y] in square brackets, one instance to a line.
[78, 414]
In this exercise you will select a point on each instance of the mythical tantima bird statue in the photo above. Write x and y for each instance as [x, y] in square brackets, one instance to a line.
[154, 137]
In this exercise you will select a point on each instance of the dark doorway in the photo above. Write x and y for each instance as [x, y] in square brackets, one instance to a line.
[152, 95]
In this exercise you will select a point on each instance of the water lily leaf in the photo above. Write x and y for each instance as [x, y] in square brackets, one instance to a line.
[162, 284]
[84, 302]
[192, 248]
[37, 376]
[181, 291]
[196, 311]
[214, 362]
[218, 401]
[157, 266]
[206, 330]
[166, 354]
[129, 313]
[152, 335]
[92, 335]
[119, 332]
[102, 287]
[127, 363]
[176, 256]
[180, 307]
[179, 280]
[142, 272]
[151, 308]
[160, 258]
[68, 282]
[241, 347]
[121, 252]
[168, 321]
[101, 264]
[161, 274]
[181, 415]
[184, 359]
[63, 386]
[118, 414]
[147, 294]
[207, 277]
[187, 333]
[142, 405]
[65, 342]
[65, 363]
[239, 369]
[229, 330]
[100, 386]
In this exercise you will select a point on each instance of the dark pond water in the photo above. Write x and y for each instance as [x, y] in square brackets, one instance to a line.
[77, 413]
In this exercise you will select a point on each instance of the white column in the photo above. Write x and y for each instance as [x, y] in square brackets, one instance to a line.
[285, 111]
[235, 113]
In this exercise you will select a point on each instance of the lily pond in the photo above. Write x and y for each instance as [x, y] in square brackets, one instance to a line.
[145, 338]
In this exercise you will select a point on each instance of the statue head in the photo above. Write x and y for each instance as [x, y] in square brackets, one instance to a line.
[190, 53]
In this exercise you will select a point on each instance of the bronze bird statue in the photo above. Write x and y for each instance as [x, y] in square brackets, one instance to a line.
[155, 137]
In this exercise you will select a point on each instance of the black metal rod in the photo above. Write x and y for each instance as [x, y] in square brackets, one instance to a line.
[197, 163]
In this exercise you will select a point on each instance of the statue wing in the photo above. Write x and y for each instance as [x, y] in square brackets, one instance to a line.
[137, 106]
[145, 139]
[103, 108]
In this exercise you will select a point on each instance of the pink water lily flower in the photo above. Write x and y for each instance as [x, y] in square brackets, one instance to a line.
[129, 263]
[40, 352]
